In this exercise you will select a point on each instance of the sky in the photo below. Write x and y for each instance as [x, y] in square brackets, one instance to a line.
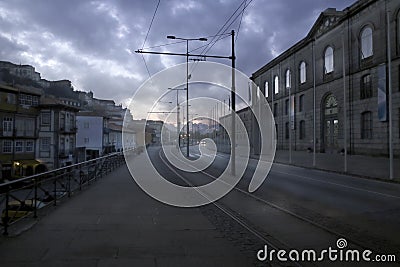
[92, 43]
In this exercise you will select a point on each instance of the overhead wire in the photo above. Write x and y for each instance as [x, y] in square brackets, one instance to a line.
[161, 45]
[147, 35]
[224, 28]
[151, 23]
[240, 22]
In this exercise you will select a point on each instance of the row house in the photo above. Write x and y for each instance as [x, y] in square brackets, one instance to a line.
[19, 109]
[92, 138]
[57, 131]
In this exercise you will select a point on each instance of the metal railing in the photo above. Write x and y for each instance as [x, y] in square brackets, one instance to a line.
[25, 197]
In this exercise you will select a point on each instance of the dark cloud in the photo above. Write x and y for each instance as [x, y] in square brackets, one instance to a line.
[89, 42]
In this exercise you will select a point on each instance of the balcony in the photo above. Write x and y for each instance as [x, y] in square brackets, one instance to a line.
[19, 133]
[68, 130]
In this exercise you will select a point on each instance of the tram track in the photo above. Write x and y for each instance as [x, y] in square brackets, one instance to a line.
[236, 217]
[266, 237]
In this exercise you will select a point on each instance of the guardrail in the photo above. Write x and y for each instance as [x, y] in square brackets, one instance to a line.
[23, 198]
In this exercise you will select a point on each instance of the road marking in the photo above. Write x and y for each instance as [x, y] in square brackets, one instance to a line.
[333, 183]
[337, 184]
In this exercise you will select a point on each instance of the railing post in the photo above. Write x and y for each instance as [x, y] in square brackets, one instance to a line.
[35, 199]
[80, 178]
[72, 172]
[55, 191]
[6, 218]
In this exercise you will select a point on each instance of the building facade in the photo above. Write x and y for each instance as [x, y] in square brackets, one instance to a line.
[92, 134]
[19, 110]
[336, 81]
[57, 132]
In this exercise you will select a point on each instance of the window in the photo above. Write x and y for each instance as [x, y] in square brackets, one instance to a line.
[25, 126]
[45, 144]
[20, 126]
[19, 146]
[62, 121]
[331, 105]
[287, 130]
[288, 79]
[71, 144]
[266, 89]
[328, 60]
[366, 125]
[35, 101]
[301, 102]
[86, 140]
[366, 43]
[302, 131]
[86, 125]
[25, 99]
[276, 84]
[10, 98]
[7, 126]
[45, 118]
[62, 144]
[366, 87]
[286, 106]
[275, 109]
[303, 73]
[29, 146]
[72, 121]
[7, 146]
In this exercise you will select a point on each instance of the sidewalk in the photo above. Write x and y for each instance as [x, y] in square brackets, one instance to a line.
[365, 166]
[114, 223]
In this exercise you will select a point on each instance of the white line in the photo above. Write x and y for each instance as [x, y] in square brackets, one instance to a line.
[337, 184]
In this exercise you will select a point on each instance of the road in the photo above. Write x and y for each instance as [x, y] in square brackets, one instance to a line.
[302, 208]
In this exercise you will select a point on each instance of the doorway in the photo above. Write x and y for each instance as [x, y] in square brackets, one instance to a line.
[330, 124]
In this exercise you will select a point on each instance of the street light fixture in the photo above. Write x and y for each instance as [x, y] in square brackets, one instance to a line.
[187, 79]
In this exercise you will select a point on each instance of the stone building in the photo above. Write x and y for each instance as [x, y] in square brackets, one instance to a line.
[342, 63]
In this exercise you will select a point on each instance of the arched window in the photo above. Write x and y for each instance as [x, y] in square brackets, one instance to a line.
[331, 105]
[266, 89]
[276, 84]
[288, 79]
[303, 73]
[366, 43]
[328, 59]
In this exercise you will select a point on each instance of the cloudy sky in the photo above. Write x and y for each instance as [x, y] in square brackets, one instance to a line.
[91, 43]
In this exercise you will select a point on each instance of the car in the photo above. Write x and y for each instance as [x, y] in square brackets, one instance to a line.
[18, 209]
[203, 143]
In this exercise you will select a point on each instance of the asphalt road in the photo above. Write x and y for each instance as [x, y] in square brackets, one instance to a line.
[364, 211]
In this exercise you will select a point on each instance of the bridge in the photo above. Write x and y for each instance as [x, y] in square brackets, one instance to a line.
[107, 220]
[94, 214]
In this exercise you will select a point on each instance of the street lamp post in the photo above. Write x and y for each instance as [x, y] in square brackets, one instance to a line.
[187, 81]
[196, 114]
[233, 89]
[178, 128]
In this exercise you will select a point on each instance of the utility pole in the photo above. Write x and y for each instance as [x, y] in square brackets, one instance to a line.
[178, 126]
[232, 58]
[233, 109]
